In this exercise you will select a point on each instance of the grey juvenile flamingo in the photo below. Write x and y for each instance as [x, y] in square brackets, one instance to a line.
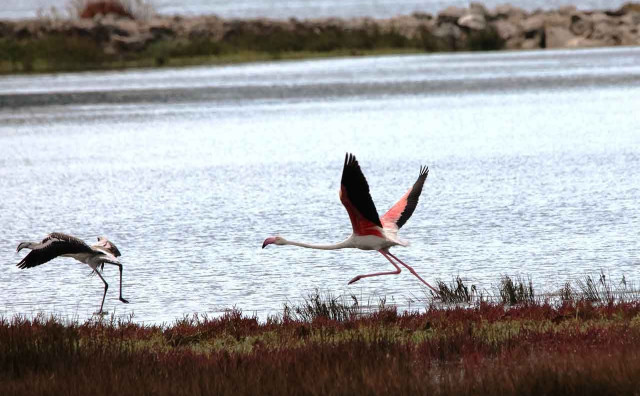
[58, 244]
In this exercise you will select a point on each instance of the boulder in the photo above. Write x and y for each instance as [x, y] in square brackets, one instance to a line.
[567, 10]
[557, 19]
[583, 42]
[507, 11]
[533, 25]
[451, 14]
[422, 15]
[581, 24]
[505, 29]
[606, 32]
[557, 37]
[478, 9]
[514, 43]
[161, 28]
[130, 43]
[472, 22]
[531, 43]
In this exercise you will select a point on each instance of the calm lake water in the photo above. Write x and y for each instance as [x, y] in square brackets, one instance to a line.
[534, 160]
[15, 9]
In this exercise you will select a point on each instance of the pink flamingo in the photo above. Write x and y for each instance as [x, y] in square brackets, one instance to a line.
[370, 232]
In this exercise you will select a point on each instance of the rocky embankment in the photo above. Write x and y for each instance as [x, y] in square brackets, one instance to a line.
[472, 28]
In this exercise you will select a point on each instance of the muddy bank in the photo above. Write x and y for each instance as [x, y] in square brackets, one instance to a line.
[112, 40]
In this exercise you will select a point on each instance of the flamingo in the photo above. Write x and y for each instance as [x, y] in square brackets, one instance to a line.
[58, 244]
[370, 232]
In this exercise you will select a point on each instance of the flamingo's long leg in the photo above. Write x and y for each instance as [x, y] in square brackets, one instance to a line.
[106, 286]
[396, 272]
[120, 268]
[413, 272]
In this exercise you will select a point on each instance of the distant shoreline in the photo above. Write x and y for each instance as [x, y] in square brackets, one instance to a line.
[112, 42]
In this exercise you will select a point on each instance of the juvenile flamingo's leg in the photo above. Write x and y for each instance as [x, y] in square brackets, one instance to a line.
[106, 286]
[120, 268]
[396, 272]
[413, 272]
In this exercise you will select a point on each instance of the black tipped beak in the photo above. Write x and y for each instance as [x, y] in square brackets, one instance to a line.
[264, 244]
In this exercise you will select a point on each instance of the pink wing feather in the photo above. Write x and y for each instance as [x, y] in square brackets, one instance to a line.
[403, 209]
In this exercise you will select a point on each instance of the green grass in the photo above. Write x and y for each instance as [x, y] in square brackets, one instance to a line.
[57, 52]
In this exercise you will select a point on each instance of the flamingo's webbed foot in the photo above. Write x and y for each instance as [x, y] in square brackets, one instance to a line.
[124, 301]
[357, 278]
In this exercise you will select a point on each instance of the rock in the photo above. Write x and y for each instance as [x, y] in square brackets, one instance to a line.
[81, 27]
[514, 42]
[628, 35]
[406, 26]
[583, 42]
[557, 37]
[505, 29]
[478, 9]
[449, 35]
[557, 19]
[161, 28]
[451, 14]
[606, 32]
[529, 44]
[122, 27]
[631, 8]
[130, 43]
[532, 25]
[567, 10]
[598, 17]
[581, 25]
[422, 15]
[631, 18]
[472, 21]
[507, 11]
[447, 30]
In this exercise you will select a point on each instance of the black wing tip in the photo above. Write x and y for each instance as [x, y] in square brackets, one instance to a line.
[22, 264]
[424, 171]
[350, 159]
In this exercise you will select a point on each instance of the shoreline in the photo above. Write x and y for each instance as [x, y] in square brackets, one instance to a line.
[112, 43]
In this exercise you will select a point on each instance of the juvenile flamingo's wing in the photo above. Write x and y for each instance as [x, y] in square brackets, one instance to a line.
[355, 196]
[53, 245]
[403, 209]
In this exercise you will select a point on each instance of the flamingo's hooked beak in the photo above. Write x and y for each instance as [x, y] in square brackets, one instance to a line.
[268, 241]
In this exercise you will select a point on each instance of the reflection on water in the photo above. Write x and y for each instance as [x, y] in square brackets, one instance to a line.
[528, 175]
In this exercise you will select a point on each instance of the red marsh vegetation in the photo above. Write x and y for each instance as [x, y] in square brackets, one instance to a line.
[535, 348]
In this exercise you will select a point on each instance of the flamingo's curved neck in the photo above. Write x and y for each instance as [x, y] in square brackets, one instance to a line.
[347, 243]
[27, 245]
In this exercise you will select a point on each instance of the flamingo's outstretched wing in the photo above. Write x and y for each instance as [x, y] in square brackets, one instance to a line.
[354, 194]
[403, 209]
[53, 245]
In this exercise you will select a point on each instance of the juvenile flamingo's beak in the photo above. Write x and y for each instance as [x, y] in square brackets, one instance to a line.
[268, 241]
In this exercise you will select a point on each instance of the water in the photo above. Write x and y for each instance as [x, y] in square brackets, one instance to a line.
[16, 9]
[534, 160]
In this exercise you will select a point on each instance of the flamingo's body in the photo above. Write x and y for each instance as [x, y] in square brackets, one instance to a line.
[370, 232]
[58, 244]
